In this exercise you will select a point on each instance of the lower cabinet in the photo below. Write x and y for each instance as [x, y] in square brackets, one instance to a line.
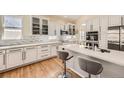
[17, 56]
[30, 54]
[53, 50]
[14, 57]
[2, 59]
[43, 51]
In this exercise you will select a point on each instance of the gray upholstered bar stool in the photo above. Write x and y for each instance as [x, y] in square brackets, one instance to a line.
[64, 56]
[91, 67]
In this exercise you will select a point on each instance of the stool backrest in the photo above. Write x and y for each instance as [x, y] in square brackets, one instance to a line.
[63, 55]
[90, 67]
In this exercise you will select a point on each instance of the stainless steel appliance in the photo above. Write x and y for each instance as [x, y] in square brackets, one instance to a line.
[116, 38]
[92, 39]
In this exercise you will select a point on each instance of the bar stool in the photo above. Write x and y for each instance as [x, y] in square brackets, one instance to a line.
[63, 55]
[90, 66]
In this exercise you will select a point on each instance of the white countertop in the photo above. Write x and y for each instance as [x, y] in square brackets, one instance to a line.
[116, 57]
[25, 45]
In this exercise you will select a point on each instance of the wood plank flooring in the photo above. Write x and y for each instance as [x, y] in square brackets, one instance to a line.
[50, 68]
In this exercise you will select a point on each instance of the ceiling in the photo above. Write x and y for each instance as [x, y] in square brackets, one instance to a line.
[71, 17]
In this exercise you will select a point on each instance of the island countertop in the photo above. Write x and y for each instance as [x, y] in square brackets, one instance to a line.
[116, 57]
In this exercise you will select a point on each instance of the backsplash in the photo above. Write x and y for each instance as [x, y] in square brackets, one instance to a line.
[28, 39]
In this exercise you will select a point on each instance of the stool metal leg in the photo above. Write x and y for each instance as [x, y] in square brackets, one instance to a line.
[89, 75]
[65, 76]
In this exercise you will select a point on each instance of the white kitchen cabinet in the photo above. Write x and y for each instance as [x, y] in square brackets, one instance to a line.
[44, 26]
[30, 54]
[115, 20]
[43, 51]
[2, 60]
[58, 29]
[96, 24]
[89, 25]
[53, 50]
[103, 33]
[14, 57]
[122, 19]
[52, 27]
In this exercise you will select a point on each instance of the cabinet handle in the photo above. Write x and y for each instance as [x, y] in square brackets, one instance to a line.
[23, 55]
[99, 32]
[4, 59]
[45, 55]
[44, 50]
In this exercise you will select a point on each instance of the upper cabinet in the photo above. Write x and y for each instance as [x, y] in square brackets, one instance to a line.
[71, 29]
[89, 25]
[44, 26]
[122, 17]
[39, 26]
[96, 24]
[103, 32]
[53, 29]
[93, 25]
[68, 29]
[115, 20]
[35, 25]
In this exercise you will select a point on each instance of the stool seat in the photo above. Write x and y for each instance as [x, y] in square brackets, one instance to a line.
[90, 66]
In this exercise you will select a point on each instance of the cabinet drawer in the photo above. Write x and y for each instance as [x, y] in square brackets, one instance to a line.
[44, 50]
[43, 55]
[14, 50]
[43, 46]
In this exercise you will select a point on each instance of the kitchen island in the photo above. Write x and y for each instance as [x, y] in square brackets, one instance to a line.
[112, 62]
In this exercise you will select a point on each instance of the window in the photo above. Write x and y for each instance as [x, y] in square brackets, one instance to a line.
[12, 27]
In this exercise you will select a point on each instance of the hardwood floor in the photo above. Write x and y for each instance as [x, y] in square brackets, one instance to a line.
[50, 68]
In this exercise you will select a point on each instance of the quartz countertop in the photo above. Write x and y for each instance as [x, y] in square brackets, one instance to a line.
[116, 57]
[26, 45]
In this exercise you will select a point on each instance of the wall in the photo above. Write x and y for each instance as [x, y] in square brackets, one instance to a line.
[26, 26]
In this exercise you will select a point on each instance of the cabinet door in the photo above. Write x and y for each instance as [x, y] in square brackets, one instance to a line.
[58, 30]
[89, 26]
[14, 58]
[114, 20]
[52, 27]
[2, 61]
[30, 54]
[44, 26]
[35, 26]
[103, 33]
[122, 20]
[53, 50]
[96, 24]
